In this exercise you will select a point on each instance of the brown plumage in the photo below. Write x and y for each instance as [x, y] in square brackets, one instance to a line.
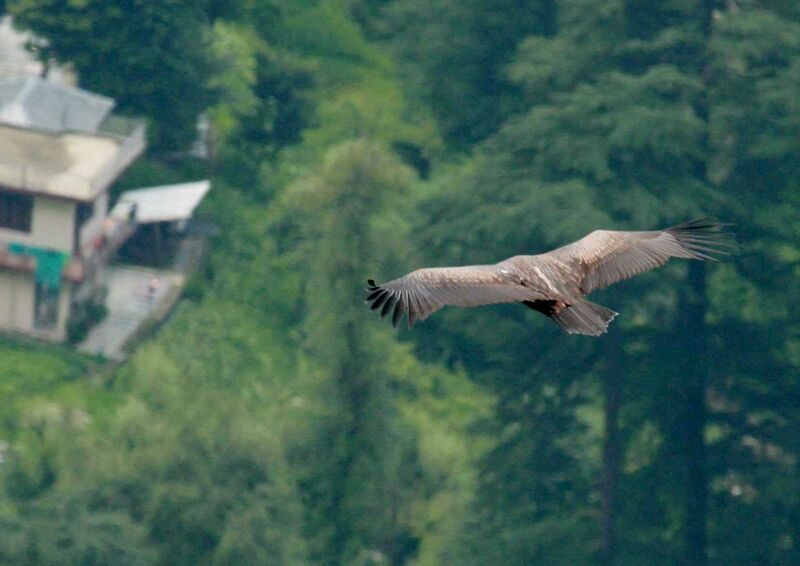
[553, 283]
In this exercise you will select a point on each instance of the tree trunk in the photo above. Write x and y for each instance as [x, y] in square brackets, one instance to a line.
[353, 397]
[612, 453]
[694, 352]
[695, 365]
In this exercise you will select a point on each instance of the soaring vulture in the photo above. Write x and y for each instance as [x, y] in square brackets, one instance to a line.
[553, 283]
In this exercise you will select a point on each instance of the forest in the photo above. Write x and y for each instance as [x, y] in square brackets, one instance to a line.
[273, 419]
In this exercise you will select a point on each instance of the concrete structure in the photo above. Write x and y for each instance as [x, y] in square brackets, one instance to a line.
[137, 297]
[60, 150]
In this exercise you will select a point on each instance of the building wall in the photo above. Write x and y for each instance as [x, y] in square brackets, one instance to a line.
[52, 226]
[17, 303]
[64, 305]
[93, 227]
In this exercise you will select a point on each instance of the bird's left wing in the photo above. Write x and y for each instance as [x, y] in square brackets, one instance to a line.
[425, 291]
[605, 257]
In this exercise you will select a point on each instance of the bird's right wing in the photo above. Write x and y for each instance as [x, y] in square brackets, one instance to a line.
[425, 291]
[605, 257]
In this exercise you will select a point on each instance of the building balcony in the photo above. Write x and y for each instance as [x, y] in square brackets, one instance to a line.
[72, 165]
[74, 271]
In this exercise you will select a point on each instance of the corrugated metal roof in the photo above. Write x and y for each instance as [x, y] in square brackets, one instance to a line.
[166, 203]
[36, 103]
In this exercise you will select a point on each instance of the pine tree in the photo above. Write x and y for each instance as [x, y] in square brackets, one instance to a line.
[638, 115]
[362, 455]
[457, 49]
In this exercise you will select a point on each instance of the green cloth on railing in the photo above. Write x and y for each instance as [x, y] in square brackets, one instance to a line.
[49, 263]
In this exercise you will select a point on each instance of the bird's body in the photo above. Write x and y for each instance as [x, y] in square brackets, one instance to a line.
[552, 283]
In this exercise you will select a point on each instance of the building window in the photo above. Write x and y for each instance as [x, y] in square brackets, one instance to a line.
[16, 211]
[46, 307]
[83, 212]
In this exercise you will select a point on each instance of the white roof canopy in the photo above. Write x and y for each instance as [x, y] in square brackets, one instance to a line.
[167, 203]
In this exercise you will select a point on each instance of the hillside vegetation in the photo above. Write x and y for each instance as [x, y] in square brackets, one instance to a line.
[275, 420]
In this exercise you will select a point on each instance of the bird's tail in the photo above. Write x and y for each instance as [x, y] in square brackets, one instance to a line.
[584, 317]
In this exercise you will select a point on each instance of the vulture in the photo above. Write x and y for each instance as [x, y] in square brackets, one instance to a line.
[553, 283]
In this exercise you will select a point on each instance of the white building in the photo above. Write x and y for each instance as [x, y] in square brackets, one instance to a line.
[60, 150]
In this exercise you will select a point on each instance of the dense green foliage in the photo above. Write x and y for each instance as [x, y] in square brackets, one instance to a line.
[164, 82]
[272, 420]
[459, 49]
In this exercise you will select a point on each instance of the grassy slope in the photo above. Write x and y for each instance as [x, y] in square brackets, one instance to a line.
[36, 376]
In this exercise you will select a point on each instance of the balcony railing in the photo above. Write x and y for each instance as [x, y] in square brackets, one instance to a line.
[132, 134]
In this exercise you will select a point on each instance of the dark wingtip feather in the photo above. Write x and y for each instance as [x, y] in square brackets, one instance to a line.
[388, 305]
[399, 308]
[373, 294]
[379, 299]
[389, 302]
[704, 238]
[412, 315]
